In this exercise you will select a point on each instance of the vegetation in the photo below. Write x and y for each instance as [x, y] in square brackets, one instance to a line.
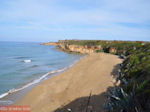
[133, 93]
[122, 47]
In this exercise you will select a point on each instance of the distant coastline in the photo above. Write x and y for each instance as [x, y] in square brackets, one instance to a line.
[93, 46]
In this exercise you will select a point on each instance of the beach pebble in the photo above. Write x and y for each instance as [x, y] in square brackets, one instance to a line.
[69, 110]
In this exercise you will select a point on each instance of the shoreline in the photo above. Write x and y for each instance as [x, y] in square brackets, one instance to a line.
[92, 73]
[14, 95]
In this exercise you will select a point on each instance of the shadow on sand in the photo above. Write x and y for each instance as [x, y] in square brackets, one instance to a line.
[91, 103]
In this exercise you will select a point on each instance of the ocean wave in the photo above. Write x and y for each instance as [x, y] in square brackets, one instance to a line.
[27, 61]
[33, 82]
[21, 57]
[34, 66]
[40, 79]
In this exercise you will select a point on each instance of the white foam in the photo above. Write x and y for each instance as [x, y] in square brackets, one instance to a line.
[37, 80]
[27, 61]
[3, 95]
[31, 83]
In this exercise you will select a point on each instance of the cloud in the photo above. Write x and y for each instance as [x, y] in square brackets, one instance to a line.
[95, 19]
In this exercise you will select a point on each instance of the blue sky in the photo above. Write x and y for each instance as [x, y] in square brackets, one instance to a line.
[52, 20]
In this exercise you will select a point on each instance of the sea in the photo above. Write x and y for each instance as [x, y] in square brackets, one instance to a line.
[23, 64]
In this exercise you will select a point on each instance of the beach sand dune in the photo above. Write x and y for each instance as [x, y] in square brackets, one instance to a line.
[71, 89]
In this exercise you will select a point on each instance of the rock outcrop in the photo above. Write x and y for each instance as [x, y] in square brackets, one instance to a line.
[91, 46]
[51, 43]
[79, 48]
[84, 49]
[113, 50]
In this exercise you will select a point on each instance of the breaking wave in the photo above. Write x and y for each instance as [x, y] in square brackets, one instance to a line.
[32, 83]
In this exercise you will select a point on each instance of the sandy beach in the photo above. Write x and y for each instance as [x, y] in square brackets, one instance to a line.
[71, 89]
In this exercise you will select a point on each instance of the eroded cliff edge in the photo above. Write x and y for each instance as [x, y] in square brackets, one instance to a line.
[84, 49]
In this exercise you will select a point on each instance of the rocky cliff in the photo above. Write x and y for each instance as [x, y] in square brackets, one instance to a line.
[84, 49]
[51, 43]
[79, 48]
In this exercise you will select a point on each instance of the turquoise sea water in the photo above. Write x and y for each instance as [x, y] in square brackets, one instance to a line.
[16, 70]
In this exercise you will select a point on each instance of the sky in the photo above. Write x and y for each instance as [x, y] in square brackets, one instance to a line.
[52, 20]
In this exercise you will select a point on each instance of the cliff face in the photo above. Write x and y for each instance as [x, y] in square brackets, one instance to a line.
[51, 43]
[79, 48]
[91, 46]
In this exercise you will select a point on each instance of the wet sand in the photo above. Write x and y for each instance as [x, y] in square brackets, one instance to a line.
[91, 74]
